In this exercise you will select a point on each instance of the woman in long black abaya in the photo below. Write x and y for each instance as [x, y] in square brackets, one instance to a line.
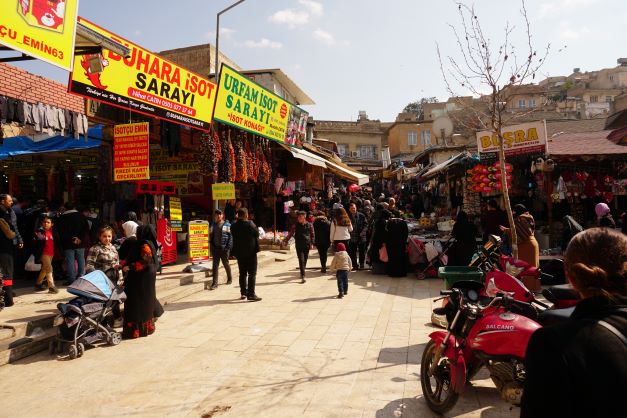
[139, 285]
[396, 243]
[381, 217]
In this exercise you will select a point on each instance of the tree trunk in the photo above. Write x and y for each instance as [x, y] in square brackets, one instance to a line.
[505, 188]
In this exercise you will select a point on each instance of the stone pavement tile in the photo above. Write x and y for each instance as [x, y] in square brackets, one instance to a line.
[331, 341]
[315, 331]
[325, 319]
[387, 386]
[343, 327]
[230, 333]
[285, 338]
[196, 340]
[366, 321]
[353, 350]
[301, 348]
[329, 394]
[360, 334]
[399, 329]
[241, 343]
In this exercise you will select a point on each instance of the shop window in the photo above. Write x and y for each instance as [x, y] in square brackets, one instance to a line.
[425, 136]
[412, 138]
[608, 99]
[341, 149]
[522, 103]
[594, 99]
[532, 103]
[367, 151]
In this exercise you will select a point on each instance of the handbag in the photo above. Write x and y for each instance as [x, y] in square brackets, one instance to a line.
[31, 265]
[383, 254]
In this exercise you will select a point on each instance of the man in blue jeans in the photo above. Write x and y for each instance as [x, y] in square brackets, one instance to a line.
[73, 228]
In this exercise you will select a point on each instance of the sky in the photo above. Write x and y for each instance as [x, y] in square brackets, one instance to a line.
[352, 55]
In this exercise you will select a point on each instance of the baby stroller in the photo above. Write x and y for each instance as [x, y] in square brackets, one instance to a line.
[86, 319]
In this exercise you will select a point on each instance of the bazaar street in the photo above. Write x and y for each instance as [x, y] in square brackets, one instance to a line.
[300, 351]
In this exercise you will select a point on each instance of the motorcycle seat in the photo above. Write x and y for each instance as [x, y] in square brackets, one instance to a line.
[563, 292]
[554, 316]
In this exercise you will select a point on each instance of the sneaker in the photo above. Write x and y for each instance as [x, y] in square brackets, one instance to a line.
[340, 295]
[302, 279]
[242, 297]
[229, 281]
[213, 287]
[53, 290]
[39, 287]
[345, 292]
[254, 298]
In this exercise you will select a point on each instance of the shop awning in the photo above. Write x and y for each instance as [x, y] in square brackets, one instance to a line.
[443, 166]
[23, 145]
[585, 145]
[308, 157]
[348, 174]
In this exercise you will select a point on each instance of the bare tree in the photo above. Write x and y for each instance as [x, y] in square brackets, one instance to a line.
[489, 71]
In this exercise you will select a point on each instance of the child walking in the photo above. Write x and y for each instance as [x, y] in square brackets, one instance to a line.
[342, 264]
[45, 239]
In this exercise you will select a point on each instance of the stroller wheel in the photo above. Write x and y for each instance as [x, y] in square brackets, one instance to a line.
[80, 349]
[72, 352]
[115, 338]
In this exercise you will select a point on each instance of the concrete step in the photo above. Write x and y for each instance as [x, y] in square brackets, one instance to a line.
[181, 292]
[18, 348]
[169, 282]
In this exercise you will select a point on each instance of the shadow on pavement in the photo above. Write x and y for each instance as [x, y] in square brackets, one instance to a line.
[177, 306]
[315, 299]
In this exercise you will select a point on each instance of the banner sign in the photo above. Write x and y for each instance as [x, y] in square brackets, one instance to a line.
[43, 29]
[223, 191]
[198, 241]
[176, 214]
[526, 138]
[144, 83]
[131, 154]
[246, 105]
[182, 169]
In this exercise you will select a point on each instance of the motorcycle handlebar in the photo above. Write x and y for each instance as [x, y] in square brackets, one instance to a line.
[446, 292]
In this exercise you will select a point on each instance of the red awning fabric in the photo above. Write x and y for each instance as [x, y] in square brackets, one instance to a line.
[584, 144]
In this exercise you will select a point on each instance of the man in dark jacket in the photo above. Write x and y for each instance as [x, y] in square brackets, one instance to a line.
[73, 229]
[303, 233]
[245, 249]
[358, 236]
[9, 238]
[322, 232]
[221, 243]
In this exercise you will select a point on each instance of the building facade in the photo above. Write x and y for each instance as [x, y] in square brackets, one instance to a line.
[356, 141]
[406, 136]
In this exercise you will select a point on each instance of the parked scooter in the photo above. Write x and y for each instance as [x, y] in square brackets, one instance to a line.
[494, 336]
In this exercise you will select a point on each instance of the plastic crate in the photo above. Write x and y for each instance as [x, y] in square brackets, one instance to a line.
[453, 274]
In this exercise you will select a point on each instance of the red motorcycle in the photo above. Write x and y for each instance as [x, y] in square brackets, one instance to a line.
[494, 336]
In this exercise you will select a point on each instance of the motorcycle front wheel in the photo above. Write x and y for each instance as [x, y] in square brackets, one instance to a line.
[436, 388]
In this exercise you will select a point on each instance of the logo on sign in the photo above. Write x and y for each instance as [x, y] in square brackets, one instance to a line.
[283, 111]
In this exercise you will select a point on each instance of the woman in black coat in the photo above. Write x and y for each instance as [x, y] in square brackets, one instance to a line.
[578, 368]
[378, 238]
[139, 284]
[396, 244]
[322, 231]
[465, 246]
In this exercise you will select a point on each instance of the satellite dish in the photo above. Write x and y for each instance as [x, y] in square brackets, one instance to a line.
[442, 127]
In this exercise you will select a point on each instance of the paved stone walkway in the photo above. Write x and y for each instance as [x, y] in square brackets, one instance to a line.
[299, 352]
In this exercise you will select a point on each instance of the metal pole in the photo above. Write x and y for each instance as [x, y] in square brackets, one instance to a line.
[217, 58]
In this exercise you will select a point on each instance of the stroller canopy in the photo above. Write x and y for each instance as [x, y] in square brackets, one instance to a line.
[95, 285]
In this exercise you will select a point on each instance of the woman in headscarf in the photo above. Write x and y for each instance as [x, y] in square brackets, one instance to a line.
[465, 245]
[377, 240]
[604, 216]
[528, 248]
[139, 284]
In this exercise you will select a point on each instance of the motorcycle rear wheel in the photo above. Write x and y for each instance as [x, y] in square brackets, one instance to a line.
[439, 384]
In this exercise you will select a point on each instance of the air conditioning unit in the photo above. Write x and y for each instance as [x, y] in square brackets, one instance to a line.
[355, 154]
